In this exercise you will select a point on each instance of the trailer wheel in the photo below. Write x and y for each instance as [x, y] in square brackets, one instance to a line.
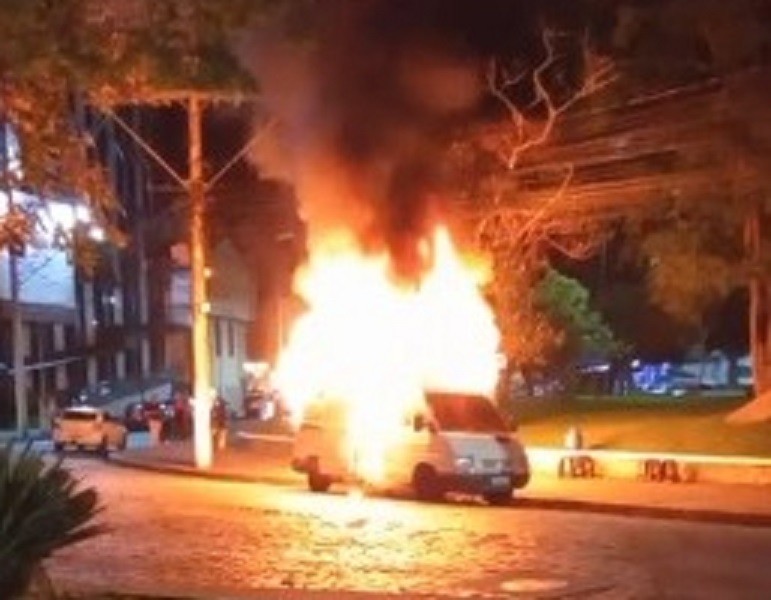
[317, 481]
[499, 498]
[425, 483]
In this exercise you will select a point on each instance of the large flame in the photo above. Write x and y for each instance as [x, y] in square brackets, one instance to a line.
[375, 345]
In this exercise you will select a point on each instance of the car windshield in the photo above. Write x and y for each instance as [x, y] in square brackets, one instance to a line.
[79, 415]
[465, 412]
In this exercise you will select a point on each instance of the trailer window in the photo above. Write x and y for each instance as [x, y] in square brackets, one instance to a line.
[465, 412]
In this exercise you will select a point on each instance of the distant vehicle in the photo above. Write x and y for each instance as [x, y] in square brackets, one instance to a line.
[455, 443]
[137, 415]
[88, 427]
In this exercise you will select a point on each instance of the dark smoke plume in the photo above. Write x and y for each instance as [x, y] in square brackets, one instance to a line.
[364, 105]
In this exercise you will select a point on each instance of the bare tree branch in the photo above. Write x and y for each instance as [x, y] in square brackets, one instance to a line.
[507, 226]
[600, 72]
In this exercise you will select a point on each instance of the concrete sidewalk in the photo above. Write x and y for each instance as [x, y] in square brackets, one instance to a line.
[265, 459]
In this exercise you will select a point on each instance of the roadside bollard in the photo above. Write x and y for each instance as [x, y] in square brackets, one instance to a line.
[574, 439]
[662, 470]
[576, 465]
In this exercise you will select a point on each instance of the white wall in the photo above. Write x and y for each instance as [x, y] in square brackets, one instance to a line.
[230, 286]
[228, 368]
[178, 300]
[231, 297]
[46, 275]
[230, 289]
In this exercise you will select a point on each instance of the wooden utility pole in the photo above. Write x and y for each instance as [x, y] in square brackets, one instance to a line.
[196, 187]
[14, 281]
[202, 392]
[17, 337]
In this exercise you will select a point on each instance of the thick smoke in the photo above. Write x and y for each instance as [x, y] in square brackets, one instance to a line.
[363, 107]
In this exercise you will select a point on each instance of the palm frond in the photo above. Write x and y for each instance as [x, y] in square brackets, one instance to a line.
[43, 508]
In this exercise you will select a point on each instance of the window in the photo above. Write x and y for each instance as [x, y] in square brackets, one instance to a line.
[231, 339]
[105, 367]
[217, 338]
[108, 299]
[6, 342]
[465, 412]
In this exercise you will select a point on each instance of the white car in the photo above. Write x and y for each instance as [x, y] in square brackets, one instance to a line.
[87, 427]
[455, 443]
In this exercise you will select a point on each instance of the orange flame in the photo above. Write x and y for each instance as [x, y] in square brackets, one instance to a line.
[376, 346]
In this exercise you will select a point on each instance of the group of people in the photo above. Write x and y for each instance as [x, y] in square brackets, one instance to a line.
[177, 423]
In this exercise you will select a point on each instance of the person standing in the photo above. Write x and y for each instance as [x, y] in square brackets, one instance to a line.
[154, 420]
[180, 417]
[219, 423]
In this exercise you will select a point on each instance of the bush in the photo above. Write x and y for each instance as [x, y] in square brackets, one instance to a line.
[42, 508]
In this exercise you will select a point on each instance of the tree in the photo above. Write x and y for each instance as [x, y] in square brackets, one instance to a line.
[649, 332]
[58, 55]
[527, 334]
[714, 241]
[693, 264]
[583, 332]
[678, 147]
[45, 52]
[532, 93]
[549, 325]
[66, 54]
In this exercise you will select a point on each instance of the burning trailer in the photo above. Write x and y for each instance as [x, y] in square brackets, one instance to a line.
[390, 383]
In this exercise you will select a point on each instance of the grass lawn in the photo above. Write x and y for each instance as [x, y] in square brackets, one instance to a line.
[695, 425]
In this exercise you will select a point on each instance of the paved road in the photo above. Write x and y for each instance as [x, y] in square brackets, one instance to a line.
[183, 536]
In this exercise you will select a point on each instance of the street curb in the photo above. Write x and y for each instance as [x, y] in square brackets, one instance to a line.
[695, 515]
[665, 513]
[281, 593]
[630, 465]
[175, 469]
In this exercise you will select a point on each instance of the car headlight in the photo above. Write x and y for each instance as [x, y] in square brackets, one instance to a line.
[464, 464]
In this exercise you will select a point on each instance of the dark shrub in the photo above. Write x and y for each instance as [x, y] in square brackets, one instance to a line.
[42, 508]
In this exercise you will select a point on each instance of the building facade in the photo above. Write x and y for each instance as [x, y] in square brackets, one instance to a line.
[127, 320]
[38, 287]
[231, 316]
[68, 328]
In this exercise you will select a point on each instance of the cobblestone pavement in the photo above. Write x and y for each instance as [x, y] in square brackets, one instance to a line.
[268, 462]
[190, 537]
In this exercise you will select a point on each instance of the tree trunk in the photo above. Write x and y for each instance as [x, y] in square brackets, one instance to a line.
[503, 387]
[759, 408]
[761, 335]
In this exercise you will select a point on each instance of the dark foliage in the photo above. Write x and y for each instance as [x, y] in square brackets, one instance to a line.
[42, 508]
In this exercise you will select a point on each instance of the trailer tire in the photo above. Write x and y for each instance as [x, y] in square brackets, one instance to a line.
[425, 483]
[317, 481]
[499, 498]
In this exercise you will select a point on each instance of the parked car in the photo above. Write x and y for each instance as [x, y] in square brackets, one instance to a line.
[88, 427]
